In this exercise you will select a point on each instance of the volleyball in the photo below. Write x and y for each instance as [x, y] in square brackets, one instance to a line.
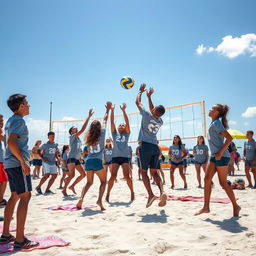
[240, 181]
[127, 82]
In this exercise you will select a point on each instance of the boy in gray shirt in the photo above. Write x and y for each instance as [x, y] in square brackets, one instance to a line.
[49, 153]
[18, 170]
[250, 158]
[149, 152]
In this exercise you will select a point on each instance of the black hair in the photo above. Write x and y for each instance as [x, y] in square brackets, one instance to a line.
[251, 132]
[15, 101]
[160, 110]
[50, 133]
[70, 129]
[65, 147]
[180, 143]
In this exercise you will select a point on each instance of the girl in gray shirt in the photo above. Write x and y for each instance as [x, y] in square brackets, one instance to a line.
[219, 157]
[95, 140]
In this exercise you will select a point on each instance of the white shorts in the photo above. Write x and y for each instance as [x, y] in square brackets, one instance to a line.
[52, 169]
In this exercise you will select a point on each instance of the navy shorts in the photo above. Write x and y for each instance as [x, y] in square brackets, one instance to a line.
[37, 162]
[93, 164]
[18, 182]
[177, 164]
[149, 156]
[200, 163]
[138, 162]
[249, 163]
[120, 160]
[73, 161]
[224, 161]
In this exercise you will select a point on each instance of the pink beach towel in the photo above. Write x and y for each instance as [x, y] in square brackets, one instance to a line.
[197, 199]
[12, 228]
[69, 207]
[44, 242]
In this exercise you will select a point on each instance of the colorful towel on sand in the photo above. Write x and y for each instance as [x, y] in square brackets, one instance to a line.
[197, 199]
[12, 228]
[44, 242]
[70, 207]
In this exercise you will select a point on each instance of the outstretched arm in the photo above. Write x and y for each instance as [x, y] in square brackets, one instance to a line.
[150, 103]
[138, 99]
[85, 123]
[112, 119]
[108, 107]
[126, 119]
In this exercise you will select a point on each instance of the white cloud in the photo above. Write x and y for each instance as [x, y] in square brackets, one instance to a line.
[232, 122]
[68, 118]
[232, 47]
[246, 124]
[249, 112]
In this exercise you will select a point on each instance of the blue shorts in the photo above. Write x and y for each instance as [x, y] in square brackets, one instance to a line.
[18, 182]
[93, 164]
[200, 163]
[224, 161]
[37, 162]
[149, 156]
[249, 163]
[73, 161]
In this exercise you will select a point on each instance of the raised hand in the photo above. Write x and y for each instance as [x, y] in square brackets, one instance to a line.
[150, 91]
[113, 106]
[123, 107]
[91, 112]
[108, 105]
[142, 88]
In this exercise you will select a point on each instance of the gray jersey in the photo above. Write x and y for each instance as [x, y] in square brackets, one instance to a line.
[16, 125]
[107, 155]
[64, 160]
[120, 144]
[75, 147]
[216, 139]
[200, 153]
[149, 127]
[130, 152]
[176, 152]
[1, 153]
[49, 152]
[250, 150]
[97, 151]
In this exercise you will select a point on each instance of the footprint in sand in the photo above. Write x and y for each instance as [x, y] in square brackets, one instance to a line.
[163, 246]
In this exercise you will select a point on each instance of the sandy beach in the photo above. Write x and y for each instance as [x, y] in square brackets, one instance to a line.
[131, 229]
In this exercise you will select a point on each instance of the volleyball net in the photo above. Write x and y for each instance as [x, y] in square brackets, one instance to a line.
[187, 120]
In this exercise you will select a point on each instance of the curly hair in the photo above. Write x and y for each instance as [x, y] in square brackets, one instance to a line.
[93, 135]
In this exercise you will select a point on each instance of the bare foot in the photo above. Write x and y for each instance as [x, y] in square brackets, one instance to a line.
[101, 206]
[79, 204]
[163, 199]
[236, 211]
[150, 201]
[64, 193]
[185, 185]
[202, 211]
[132, 196]
[107, 198]
[72, 189]
[249, 186]
[172, 187]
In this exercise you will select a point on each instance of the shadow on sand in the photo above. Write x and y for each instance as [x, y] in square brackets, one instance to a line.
[155, 218]
[90, 212]
[114, 204]
[230, 225]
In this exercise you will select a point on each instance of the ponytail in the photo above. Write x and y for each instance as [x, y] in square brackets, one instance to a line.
[223, 111]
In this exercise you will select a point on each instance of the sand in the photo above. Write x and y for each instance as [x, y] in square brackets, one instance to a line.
[131, 229]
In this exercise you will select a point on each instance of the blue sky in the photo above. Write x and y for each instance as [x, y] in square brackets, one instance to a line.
[74, 53]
